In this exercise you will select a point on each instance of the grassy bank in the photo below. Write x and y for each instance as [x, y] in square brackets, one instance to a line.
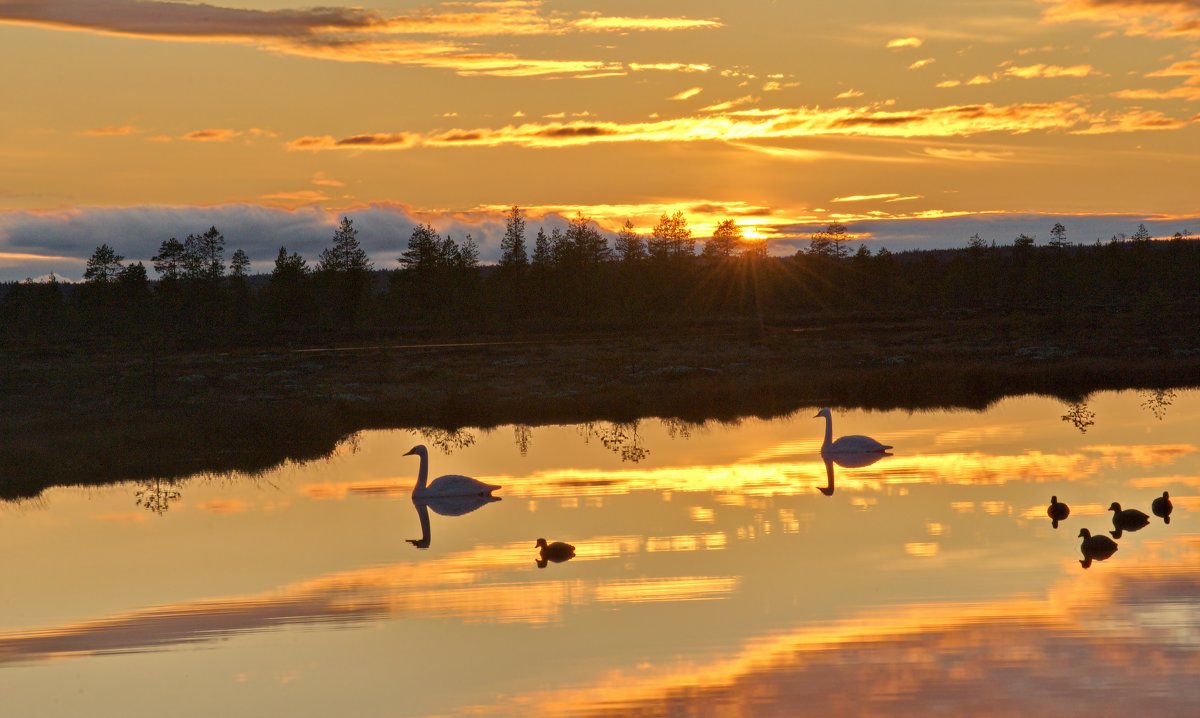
[90, 417]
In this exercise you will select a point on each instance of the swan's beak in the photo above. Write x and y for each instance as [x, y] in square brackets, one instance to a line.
[816, 416]
[410, 452]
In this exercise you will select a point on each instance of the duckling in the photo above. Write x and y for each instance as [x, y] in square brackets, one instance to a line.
[1057, 511]
[1095, 548]
[1127, 520]
[556, 552]
[1162, 507]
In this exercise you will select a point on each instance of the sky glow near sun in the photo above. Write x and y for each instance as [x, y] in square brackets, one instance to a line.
[929, 121]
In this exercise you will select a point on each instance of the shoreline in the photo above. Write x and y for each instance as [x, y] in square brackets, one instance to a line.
[87, 418]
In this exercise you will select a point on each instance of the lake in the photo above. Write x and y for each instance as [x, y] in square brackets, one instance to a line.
[712, 575]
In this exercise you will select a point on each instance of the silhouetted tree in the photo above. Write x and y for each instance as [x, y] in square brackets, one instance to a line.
[629, 245]
[725, 240]
[104, 266]
[1058, 234]
[830, 242]
[239, 286]
[169, 260]
[344, 274]
[287, 297]
[671, 238]
[1141, 235]
[513, 256]
[543, 255]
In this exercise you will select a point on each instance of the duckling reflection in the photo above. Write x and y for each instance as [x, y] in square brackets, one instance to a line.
[846, 461]
[446, 506]
[556, 552]
[1127, 520]
[1095, 548]
[1162, 507]
[1057, 511]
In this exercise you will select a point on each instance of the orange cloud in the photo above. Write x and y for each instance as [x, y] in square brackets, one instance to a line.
[1046, 71]
[350, 34]
[121, 131]
[212, 135]
[903, 42]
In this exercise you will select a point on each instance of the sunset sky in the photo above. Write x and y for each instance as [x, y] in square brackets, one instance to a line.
[916, 123]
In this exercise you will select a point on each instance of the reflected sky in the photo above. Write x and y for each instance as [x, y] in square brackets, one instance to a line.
[710, 577]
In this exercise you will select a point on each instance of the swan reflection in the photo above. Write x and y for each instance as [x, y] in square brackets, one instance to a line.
[846, 461]
[446, 506]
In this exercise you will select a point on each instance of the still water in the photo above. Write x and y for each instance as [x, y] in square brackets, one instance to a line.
[712, 575]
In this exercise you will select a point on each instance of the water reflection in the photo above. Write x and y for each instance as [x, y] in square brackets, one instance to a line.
[446, 506]
[1080, 416]
[157, 495]
[1158, 401]
[846, 461]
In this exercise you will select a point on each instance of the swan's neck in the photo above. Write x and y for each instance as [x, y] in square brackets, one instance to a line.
[828, 432]
[422, 475]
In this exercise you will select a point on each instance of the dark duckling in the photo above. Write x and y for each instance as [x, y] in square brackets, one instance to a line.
[1095, 548]
[1127, 519]
[1058, 511]
[556, 552]
[1162, 507]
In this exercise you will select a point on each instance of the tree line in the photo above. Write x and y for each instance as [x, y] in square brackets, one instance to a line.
[575, 278]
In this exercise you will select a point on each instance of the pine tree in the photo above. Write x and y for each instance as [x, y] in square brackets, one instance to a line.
[629, 245]
[725, 239]
[543, 255]
[513, 256]
[345, 254]
[104, 266]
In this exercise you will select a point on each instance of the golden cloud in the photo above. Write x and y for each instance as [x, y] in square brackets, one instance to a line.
[902, 42]
[777, 123]
[1158, 18]
[1046, 71]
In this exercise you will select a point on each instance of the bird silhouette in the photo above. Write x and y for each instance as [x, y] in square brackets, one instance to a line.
[556, 552]
[1095, 548]
[854, 444]
[1057, 511]
[448, 485]
[1162, 507]
[1126, 520]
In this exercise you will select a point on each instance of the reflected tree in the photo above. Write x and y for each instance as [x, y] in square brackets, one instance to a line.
[624, 440]
[1080, 416]
[678, 428]
[1157, 401]
[157, 495]
[522, 435]
[447, 441]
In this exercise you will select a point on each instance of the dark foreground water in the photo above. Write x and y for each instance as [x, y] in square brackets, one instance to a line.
[711, 577]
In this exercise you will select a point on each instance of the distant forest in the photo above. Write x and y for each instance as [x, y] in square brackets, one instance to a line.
[576, 279]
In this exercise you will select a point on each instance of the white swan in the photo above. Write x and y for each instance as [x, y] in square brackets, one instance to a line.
[854, 444]
[448, 485]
